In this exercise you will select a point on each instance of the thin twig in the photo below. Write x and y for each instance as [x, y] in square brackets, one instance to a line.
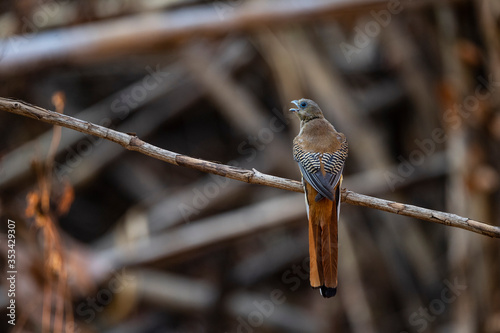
[425, 214]
[132, 142]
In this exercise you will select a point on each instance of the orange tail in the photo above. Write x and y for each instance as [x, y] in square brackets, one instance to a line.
[323, 241]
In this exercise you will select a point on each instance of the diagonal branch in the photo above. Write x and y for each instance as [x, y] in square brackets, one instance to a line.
[132, 142]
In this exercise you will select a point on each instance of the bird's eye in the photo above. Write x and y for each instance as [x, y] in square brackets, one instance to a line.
[303, 104]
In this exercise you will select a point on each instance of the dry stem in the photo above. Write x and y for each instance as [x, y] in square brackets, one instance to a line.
[132, 142]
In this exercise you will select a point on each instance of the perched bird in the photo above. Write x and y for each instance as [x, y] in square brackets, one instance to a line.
[320, 152]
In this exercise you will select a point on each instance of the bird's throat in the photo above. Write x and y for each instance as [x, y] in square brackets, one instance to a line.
[308, 119]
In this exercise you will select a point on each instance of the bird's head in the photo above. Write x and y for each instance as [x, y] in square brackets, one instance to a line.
[306, 109]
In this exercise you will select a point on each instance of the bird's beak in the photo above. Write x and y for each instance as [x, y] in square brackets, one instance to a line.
[297, 104]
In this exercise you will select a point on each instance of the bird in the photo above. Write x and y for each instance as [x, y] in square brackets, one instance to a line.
[321, 152]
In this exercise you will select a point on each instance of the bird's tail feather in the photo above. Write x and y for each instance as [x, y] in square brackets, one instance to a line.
[323, 242]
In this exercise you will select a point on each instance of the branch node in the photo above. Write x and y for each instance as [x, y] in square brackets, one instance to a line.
[397, 206]
[256, 173]
[135, 141]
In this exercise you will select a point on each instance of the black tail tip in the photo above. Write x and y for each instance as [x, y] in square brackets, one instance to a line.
[327, 292]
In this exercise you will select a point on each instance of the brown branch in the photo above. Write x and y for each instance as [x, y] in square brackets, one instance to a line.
[132, 142]
[425, 214]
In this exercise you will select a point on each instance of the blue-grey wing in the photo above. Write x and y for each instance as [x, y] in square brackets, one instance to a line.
[310, 168]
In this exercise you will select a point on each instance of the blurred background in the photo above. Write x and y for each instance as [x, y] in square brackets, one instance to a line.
[109, 240]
